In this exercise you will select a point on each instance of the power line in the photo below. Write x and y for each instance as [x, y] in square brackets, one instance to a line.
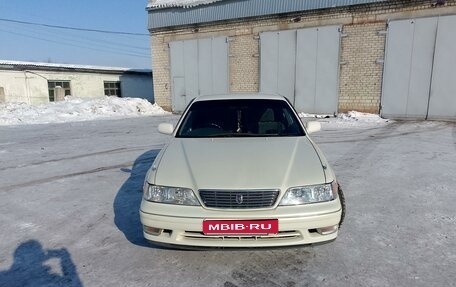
[99, 41]
[79, 46]
[73, 28]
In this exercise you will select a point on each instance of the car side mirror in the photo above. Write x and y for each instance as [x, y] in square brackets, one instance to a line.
[313, 127]
[166, 128]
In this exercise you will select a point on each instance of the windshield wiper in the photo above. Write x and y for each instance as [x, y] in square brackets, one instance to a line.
[232, 135]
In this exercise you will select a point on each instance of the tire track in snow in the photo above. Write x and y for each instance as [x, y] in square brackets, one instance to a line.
[112, 151]
[380, 133]
[54, 178]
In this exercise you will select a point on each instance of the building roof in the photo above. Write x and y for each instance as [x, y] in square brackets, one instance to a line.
[178, 3]
[173, 13]
[20, 65]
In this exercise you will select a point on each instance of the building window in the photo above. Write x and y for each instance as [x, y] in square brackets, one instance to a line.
[54, 84]
[112, 89]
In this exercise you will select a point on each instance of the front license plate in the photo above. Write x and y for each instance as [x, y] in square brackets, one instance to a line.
[241, 227]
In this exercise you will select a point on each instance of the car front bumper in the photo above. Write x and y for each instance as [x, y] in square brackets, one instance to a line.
[182, 225]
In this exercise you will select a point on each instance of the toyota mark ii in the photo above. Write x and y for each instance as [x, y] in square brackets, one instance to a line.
[240, 171]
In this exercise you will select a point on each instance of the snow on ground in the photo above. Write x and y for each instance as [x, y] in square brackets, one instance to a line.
[70, 198]
[350, 119]
[75, 109]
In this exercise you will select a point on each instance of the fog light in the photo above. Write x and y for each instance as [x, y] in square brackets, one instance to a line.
[152, 230]
[327, 230]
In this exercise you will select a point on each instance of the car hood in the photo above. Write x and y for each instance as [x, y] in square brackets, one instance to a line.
[239, 163]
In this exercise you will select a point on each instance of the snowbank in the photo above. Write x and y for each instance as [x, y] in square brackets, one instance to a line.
[346, 120]
[77, 109]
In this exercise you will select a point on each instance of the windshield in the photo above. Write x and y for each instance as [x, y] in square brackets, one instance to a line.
[240, 118]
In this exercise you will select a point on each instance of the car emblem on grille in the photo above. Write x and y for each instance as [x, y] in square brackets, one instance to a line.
[239, 198]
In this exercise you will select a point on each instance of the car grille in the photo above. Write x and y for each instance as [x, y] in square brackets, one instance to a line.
[239, 199]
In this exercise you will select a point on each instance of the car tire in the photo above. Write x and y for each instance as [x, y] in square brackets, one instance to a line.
[342, 202]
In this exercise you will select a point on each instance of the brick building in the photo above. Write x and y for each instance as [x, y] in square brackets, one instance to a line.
[394, 57]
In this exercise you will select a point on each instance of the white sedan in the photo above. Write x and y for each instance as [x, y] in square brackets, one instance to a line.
[240, 171]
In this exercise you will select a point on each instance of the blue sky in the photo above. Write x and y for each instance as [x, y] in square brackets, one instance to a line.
[35, 43]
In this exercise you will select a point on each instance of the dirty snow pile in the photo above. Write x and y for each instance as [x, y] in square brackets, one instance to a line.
[74, 109]
[346, 120]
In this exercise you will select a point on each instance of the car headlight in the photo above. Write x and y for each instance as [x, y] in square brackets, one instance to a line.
[310, 194]
[169, 195]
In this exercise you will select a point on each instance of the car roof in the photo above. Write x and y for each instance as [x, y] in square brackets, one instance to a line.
[239, 97]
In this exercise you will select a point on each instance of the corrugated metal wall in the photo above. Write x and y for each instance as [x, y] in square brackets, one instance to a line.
[236, 9]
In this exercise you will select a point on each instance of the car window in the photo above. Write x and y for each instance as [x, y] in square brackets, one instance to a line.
[240, 118]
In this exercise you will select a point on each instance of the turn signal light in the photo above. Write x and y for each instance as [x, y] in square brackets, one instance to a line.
[327, 230]
[152, 230]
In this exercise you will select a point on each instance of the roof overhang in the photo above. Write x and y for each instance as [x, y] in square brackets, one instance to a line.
[53, 67]
[157, 4]
[164, 17]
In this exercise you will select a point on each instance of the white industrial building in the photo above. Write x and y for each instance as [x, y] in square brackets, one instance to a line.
[36, 83]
